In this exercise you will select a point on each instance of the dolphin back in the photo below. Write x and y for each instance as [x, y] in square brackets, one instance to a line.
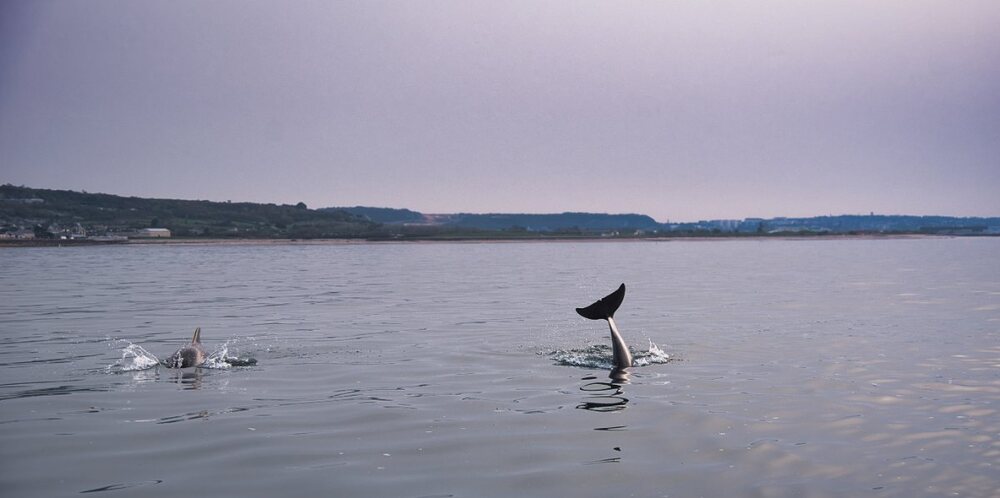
[184, 358]
[191, 355]
[605, 307]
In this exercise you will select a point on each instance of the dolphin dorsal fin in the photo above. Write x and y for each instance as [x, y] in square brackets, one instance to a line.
[605, 307]
[196, 338]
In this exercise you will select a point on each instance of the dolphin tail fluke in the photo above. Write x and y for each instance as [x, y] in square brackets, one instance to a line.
[604, 308]
[196, 338]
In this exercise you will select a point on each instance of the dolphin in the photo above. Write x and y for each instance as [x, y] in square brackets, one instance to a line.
[604, 309]
[191, 355]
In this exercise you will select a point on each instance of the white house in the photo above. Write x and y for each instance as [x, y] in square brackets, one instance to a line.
[152, 233]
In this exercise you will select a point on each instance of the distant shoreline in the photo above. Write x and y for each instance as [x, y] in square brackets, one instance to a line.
[469, 240]
[52, 217]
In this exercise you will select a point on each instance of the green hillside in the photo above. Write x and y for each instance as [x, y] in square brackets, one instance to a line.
[104, 213]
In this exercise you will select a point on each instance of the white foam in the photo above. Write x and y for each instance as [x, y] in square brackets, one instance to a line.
[217, 359]
[602, 356]
[652, 356]
[134, 358]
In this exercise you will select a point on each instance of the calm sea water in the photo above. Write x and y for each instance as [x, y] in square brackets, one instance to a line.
[800, 368]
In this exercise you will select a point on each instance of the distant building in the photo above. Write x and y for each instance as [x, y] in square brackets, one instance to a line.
[19, 235]
[74, 233]
[109, 238]
[723, 225]
[152, 233]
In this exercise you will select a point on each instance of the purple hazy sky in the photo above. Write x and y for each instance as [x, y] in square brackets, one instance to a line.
[680, 110]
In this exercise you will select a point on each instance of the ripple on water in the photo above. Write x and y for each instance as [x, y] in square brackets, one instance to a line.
[395, 370]
[120, 486]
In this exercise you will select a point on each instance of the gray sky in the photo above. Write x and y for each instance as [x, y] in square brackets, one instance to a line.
[680, 110]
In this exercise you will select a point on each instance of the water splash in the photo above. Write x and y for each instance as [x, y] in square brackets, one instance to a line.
[597, 356]
[601, 356]
[221, 359]
[134, 358]
[217, 359]
[654, 355]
